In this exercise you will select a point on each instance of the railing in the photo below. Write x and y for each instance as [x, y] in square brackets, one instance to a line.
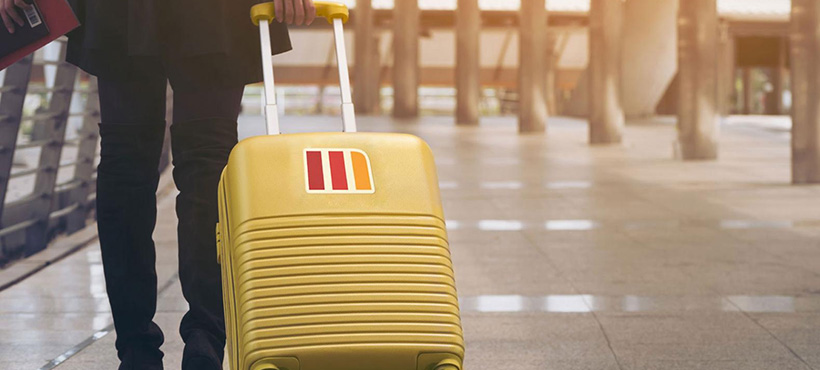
[48, 151]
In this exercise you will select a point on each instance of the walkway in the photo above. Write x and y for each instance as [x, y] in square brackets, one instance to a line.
[567, 256]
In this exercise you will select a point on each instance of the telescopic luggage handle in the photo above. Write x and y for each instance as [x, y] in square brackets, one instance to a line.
[336, 14]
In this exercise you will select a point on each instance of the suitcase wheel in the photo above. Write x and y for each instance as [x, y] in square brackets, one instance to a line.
[282, 363]
[447, 365]
[265, 367]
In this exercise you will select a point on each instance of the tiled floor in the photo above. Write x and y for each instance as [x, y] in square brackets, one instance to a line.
[567, 256]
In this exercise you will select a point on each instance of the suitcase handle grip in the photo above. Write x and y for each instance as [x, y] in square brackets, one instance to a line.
[337, 14]
[325, 9]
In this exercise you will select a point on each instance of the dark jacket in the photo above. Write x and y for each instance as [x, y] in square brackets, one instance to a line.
[196, 43]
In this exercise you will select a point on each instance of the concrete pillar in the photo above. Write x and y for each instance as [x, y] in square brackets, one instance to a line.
[747, 90]
[726, 84]
[379, 67]
[780, 77]
[468, 68]
[552, 58]
[366, 88]
[532, 111]
[697, 65]
[805, 49]
[606, 114]
[406, 58]
[775, 106]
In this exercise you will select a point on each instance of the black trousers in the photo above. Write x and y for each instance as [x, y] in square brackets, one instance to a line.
[132, 134]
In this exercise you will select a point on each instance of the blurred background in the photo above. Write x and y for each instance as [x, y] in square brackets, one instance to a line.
[752, 47]
[628, 184]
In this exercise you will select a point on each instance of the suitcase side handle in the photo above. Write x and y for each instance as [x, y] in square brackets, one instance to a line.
[337, 14]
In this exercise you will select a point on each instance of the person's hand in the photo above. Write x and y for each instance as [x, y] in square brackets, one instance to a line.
[291, 11]
[9, 13]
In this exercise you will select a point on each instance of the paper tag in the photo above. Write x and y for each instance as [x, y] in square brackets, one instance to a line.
[32, 16]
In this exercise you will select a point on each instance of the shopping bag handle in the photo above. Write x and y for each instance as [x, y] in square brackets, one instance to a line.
[337, 14]
[325, 9]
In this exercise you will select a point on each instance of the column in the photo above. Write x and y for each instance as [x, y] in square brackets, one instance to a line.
[532, 115]
[726, 75]
[780, 77]
[805, 49]
[366, 73]
[552, 65]
[747, 90]
[406, 58]
[377, 75]
[606, 114]
[468, 63]
[697, 66]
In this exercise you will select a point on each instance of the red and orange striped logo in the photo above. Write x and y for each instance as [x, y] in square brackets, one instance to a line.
[338, 171]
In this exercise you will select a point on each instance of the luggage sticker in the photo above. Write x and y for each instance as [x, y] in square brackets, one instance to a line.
[342, 171]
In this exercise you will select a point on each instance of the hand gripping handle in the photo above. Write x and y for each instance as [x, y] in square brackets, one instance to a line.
[325, 9]
[336, 14]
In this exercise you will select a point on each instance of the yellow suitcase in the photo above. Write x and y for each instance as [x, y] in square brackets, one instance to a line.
[333, 246]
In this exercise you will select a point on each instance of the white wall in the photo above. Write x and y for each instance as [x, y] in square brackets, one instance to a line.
[649, 58]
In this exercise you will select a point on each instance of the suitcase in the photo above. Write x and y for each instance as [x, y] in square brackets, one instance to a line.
[333, 246]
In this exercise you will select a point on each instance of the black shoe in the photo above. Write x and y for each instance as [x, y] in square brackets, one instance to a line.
[138, 358]
[202, 352]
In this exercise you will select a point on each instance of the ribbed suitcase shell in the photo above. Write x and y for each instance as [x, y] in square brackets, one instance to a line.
[336, 281]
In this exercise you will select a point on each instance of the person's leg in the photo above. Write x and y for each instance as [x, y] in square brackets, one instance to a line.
[132, 133]
[202, 136]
